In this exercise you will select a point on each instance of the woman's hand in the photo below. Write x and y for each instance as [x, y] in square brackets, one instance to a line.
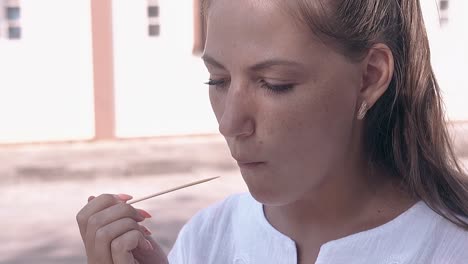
[112, 234]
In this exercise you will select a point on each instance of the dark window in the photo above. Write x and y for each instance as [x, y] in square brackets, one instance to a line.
[14, 32]
[13, 13]
[154, 27]
[444, 4]
[153, 11]
[443, 14]
[153, 30]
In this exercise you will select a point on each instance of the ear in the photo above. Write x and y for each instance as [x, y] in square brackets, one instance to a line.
[378, 67]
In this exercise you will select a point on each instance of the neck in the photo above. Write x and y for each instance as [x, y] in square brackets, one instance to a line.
[345, 204]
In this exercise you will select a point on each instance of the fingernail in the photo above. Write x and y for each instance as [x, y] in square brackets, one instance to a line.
[91, 198]
[146, 231]
[143, 213]
[124, 197]
[148, 245]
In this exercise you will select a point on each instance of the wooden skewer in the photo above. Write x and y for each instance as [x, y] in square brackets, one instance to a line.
[171, 190]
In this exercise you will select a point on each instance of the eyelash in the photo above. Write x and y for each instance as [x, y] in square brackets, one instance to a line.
[281, 88]
[221, 83]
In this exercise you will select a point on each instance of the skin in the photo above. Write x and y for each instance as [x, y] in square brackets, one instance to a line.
[299, 148]
[112, 234]
[313, 179]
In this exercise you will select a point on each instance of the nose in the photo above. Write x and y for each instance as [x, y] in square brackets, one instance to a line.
[237, 118]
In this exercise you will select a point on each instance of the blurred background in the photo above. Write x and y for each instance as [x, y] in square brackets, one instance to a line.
[102, 96]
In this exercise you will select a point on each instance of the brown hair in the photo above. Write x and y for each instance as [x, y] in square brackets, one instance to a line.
[405, 130]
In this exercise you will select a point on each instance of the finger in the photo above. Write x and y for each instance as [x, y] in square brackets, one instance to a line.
[122, 246]
[95, 205]
[145, 230]
[106, 234]
[107, 216]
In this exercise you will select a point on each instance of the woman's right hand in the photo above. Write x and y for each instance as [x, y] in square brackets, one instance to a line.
[112, 234]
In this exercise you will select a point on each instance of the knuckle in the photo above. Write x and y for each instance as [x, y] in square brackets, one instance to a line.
[128, 222]
[94, 221]
[102, 234]
[132, 224]
[117, 245]
[125, 208]
[80, 218]
[108, 198]
[135, 225]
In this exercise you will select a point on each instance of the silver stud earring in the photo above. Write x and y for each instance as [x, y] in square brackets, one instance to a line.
[362, 111]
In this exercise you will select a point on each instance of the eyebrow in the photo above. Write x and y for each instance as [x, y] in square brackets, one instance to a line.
[274, 62]
[212, 61]
[257, 67]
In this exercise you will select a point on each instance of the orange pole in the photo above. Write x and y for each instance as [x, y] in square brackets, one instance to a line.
[103, 69]
[198, 30]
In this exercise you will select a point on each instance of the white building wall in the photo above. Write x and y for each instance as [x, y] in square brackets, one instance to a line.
[46, 76]
[159, 83]
[449, 47]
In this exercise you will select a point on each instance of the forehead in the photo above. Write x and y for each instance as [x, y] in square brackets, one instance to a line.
[256, 29]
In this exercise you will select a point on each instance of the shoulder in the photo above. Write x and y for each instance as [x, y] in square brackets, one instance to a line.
[447, 241]
[452, 242]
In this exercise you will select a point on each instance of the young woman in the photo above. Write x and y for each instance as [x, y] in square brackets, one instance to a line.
[335, 118]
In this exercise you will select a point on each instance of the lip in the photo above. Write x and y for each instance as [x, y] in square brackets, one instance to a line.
[249, 165]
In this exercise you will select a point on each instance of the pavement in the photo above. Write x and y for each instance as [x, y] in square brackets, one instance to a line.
[43, 186]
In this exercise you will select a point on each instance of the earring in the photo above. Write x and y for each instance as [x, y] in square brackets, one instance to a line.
[362, 111]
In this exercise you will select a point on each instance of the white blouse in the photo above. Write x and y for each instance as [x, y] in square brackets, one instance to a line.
[236, 231]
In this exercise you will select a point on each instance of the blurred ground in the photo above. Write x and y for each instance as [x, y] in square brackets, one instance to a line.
[44, 186]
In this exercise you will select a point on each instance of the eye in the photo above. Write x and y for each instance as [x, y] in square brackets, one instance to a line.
[218, 83]
[277, 88]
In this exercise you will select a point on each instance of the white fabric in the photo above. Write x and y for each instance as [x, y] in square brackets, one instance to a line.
[236, 231]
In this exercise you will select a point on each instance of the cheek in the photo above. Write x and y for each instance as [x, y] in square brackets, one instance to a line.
[312, 113]
[333, 118]
[331, 104]
[338, 107]
[217, 103]
[315, 125]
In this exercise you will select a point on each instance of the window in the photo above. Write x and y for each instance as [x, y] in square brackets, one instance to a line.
[153, 30]
[10, 16]
[153, 11]
[14, 32]
[13, 12]
[443, 11]
[154, 27]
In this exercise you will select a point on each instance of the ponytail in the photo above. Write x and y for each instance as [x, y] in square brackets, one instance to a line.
[405, 131]
[422, 150]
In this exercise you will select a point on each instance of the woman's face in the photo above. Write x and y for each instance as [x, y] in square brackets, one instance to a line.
[285, 102]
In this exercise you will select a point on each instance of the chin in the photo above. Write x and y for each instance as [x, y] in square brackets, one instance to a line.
[270, 189]
[267, 193]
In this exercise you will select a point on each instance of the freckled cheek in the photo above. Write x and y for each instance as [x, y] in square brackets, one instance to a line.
[329, 123]
[283, 123]
[319, 118]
